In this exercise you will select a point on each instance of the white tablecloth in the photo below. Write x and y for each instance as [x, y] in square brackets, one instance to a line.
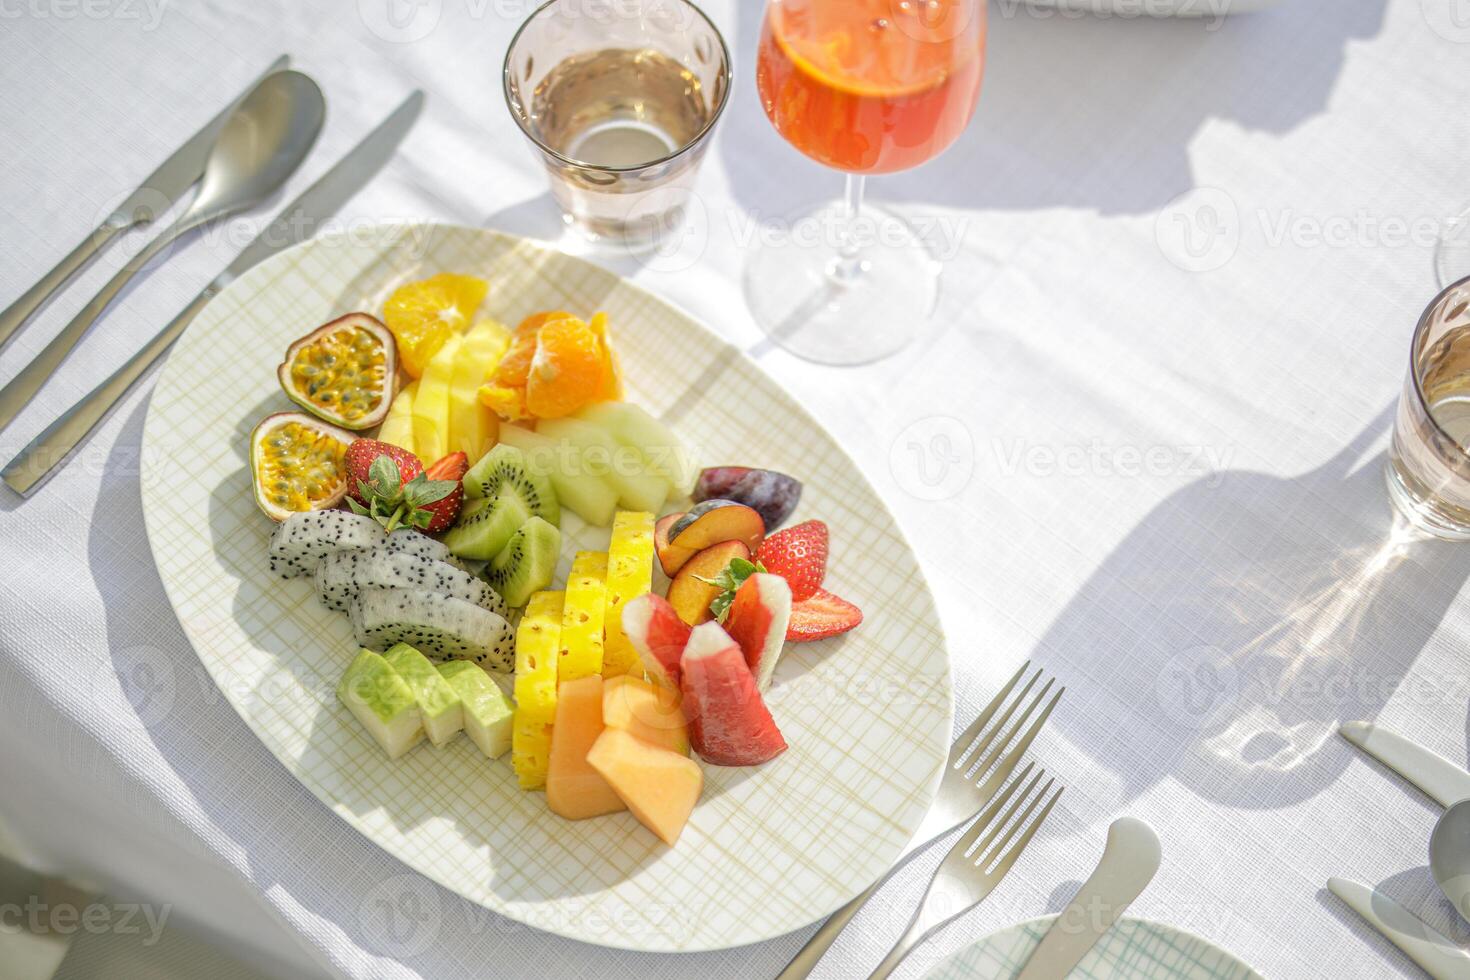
[1144, 434]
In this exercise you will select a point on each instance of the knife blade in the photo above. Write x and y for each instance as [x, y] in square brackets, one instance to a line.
[1130, 860]
[296, 222]
[1434, 775]
[1420, 942]
[158, 192]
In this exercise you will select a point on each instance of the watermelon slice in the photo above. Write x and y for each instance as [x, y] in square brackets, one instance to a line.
[659, 635]
[729, 724]
[757, 621]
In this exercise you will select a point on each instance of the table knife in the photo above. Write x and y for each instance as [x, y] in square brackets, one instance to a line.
[1439, 957]
[1435, 776]
[297, 222]
[158, 192]
[1129, 862]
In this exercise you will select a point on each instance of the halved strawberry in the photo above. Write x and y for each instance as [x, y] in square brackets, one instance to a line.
[451, 468]
[799, 555]
[821, 616]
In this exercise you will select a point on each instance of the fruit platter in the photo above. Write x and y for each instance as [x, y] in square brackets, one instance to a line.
[545, 589]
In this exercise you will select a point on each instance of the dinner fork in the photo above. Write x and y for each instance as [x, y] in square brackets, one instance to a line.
[978, 861]
[979, 763]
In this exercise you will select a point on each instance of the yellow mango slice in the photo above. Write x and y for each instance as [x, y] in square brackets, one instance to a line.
[473, 428]
[431, 403]
[582, 617]
[629, 575]
[397, 427]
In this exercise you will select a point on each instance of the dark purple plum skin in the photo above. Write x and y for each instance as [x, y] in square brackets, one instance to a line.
[772, 495]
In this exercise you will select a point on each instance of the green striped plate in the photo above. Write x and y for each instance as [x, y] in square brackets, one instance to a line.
[1134, 948]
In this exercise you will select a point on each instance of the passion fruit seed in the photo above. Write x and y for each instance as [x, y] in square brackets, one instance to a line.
[301, 466]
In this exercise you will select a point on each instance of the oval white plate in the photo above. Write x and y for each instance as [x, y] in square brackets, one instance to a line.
[1134, 949]
[768, 850]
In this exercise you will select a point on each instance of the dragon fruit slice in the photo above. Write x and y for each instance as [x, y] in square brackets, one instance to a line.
[438, 626]
[343, 575]
[301, 541]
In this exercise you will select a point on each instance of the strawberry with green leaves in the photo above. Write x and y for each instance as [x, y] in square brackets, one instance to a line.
[391, 485]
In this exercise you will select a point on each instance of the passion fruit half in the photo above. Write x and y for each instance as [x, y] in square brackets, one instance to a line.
[298, 463]
[345, 371]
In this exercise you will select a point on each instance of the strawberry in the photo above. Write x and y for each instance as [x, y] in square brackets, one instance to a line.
[820, 616]
[452, 468]
[391, 486]
[359, 462]
[799, 555]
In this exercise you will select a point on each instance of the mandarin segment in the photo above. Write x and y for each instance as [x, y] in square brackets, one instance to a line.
[566, 371]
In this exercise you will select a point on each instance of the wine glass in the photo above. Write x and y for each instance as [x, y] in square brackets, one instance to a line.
[865, 87]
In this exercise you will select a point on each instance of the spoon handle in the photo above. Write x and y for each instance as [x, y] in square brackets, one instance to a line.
[23, 387]
[14, 316]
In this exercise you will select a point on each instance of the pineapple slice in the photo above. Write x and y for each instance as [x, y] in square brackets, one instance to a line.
[538, 638]
[629, 575]
[581, 620]
[431, 403]
[473, 428]
[397, 427]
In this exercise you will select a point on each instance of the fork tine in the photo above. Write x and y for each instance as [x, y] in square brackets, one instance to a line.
[984, 756]
[1012, 827]
[987, 819]
[1009, 858]
[967, 738]
[998, 825]
[1004, 768]
[983, 745]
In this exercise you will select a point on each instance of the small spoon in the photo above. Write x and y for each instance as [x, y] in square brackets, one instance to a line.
[261, 145]
[1449, 856]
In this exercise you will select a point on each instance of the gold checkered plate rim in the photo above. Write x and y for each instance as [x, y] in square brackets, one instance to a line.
[768, 849]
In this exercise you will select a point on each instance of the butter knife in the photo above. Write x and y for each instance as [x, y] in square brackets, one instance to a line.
[1439, 957]
[1434, 775]
[297, 222]
[1130, 859]
[158, 192]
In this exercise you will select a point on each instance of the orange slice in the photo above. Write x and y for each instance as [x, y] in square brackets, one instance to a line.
[423, 314]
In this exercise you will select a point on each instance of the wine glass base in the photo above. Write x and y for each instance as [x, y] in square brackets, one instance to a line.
[813, 305]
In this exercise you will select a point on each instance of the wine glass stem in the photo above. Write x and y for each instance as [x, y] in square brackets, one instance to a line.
[848, 266]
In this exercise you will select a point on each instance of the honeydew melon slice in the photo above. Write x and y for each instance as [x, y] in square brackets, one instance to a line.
[383, 702]
[623, 467]
[488, 713]
[662, 451]
[589, 497]
[440, 706]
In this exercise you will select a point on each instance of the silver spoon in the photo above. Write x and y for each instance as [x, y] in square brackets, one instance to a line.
[261, 145]
[1449, 855]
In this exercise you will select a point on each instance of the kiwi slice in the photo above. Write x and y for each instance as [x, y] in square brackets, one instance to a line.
[506, 466]
[485, 525]
[527, 562]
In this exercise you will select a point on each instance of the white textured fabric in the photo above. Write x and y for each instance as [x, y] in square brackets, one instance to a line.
[1143, 437]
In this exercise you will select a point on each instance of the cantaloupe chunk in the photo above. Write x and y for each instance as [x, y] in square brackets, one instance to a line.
[629, 575]
[659, 787]
[582, 617]
[431, 403]
[573, 788]
[397, 429]
[646, 712]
